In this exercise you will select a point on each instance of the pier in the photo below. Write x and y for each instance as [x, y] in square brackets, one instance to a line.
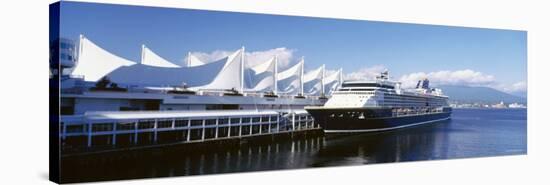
[119, 130]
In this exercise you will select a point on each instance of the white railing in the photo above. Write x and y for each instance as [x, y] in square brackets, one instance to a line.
[221, 126]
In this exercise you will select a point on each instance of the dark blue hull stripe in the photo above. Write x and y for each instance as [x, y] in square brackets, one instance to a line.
[384, 129]
[346, 123]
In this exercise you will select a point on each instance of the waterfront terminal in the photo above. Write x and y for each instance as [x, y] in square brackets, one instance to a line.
[110, 103]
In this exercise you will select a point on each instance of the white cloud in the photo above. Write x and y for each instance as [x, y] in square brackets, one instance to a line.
[517, 87]
[329, 72]
[284, 55]
[465, 77]
[211, 57]
[365, 73]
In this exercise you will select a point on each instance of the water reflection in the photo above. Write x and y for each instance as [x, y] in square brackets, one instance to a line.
[332, 150]
[463, 136]
[420, 143]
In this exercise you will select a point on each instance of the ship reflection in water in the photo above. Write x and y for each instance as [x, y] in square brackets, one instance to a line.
[470, 133]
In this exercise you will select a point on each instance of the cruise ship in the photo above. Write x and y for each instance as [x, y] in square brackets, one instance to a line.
[380, 105]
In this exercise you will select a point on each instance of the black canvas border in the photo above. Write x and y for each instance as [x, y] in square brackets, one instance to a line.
[54, 153]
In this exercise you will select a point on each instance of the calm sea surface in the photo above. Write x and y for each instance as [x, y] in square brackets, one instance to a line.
[470, 133]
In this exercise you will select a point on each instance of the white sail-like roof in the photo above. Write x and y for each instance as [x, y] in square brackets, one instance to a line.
[266, 66]
[94, 62]
[261, 77]
[289, 81]
[150, 58]
[193, 61]
[146, 75]
[230, 72]
[332, 81]
[313, 81]
[230, 76]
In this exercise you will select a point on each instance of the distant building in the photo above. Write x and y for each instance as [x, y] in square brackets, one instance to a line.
[517, 106]
[499, 105]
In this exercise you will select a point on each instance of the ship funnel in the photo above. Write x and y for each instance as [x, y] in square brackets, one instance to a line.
[384, 75]
[423, 84]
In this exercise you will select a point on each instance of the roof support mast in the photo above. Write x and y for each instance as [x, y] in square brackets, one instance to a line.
[142, 53]
[275, 88]
[302, 78]
[323, 81]
[242, 71]
[189, 59]
[341, 79]
[80, 44]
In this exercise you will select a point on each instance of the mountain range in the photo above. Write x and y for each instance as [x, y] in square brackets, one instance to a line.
[467, 94]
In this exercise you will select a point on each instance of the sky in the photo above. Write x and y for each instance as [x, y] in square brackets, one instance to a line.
[445, 55]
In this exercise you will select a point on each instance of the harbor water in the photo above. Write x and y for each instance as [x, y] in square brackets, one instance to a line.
[469, 133]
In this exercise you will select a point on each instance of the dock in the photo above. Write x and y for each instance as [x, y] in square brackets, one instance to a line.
[102, 131]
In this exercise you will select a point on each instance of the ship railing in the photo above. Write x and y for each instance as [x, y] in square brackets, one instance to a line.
[399, 111]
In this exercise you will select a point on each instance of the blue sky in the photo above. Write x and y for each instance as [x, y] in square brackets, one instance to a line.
[408, 50]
